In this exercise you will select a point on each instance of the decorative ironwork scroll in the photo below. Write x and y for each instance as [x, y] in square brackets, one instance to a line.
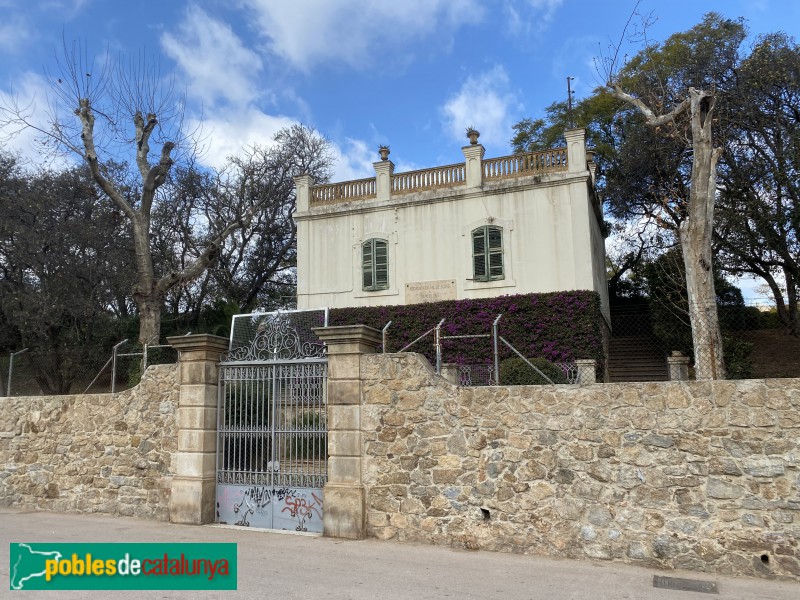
[277, 339]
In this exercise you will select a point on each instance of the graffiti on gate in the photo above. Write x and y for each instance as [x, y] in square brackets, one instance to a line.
[272, 508]
[257, 499]
[303, 511]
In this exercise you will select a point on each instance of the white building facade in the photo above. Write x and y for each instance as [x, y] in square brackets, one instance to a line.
[528, 223]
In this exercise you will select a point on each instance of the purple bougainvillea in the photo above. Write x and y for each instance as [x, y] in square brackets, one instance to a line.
[560, 326]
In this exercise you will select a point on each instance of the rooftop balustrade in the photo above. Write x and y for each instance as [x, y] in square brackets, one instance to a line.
[531, 163]
[429, 179]
[469, 174]
[345, 191]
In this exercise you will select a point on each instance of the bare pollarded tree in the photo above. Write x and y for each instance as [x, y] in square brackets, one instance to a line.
[129, 112]
[696, 231]
[679, 103]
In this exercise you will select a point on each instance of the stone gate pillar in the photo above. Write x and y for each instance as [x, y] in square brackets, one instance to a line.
[194, 485]
[344, 512]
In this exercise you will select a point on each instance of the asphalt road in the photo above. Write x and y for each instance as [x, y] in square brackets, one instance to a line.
[274, 565]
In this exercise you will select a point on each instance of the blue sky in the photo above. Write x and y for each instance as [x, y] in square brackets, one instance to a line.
[410, 73]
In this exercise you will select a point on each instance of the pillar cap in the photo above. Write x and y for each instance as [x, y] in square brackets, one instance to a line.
[345, 334]
[305, 177]
[575, 132]
[198, 341]
[473, 150]
[384, 165]
[678, 359]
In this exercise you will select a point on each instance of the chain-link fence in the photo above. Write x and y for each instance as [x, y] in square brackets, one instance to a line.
[36, 372]
[505, 364]
[128, 363]
[516, 373]
[658, 341]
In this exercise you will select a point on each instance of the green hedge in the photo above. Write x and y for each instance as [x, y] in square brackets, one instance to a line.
[515, 371]
[559, 326]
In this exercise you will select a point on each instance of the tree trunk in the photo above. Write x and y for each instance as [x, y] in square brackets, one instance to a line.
[792, 318]
[149, 307]
[695, 236]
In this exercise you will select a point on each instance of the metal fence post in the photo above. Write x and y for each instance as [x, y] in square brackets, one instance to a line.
[11, 370]
[114, 365]
[144, 359]
[437, 343]
[384, 335]
[496, 351]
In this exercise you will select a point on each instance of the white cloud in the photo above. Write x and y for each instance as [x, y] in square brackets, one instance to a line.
[67, 8]
[28, 100]
[14, 34]
[530, 17]
[216, 63]
[485, 102]
[222, 73]
[404, 166]
[357, 32]
[353, 160]
[226, 132]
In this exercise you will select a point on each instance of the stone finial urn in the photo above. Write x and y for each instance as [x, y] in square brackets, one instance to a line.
[384, 152]
[473, 135]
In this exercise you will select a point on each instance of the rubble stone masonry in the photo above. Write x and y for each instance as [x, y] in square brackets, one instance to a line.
[108, 453]
[687, 475]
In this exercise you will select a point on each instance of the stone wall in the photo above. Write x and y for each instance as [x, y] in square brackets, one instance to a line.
[109, 453]
[689, 475]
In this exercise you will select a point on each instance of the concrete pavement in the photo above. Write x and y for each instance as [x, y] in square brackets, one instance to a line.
[273, 565]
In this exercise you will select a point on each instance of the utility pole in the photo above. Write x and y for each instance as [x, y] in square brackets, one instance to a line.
[569, 101]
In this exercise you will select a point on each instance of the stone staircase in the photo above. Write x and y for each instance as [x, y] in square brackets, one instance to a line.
[634, 352]
[635, 358]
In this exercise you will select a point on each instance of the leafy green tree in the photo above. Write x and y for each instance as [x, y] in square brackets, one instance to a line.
[758, 208]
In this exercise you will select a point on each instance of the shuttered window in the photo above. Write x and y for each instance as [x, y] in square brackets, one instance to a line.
[375, 265]
[487, 253]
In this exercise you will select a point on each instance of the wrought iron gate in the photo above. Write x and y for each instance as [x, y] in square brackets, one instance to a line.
[272, 428]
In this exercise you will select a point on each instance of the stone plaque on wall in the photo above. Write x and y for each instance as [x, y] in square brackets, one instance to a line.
[430, 291]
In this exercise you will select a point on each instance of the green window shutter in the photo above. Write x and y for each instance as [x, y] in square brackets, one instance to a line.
[479, 254]
[495, 237]
[366, 266]
[487, 253]
[381, 259]
[375, 265]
